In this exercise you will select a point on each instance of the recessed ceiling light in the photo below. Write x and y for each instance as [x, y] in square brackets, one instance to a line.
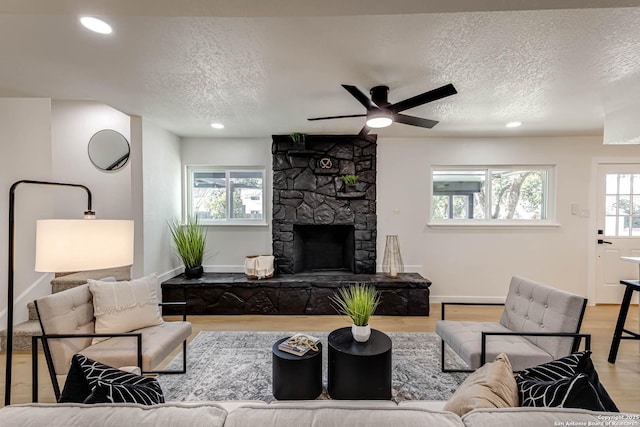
[514, 124]
[217, 125]
[95, 24]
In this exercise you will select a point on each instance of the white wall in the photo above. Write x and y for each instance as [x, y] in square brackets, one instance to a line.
[477, 263]
[25, 147]
[161, 198]
[72, 125]
[228, 245]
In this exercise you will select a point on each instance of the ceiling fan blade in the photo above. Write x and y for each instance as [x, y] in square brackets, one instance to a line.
[337, 117]
[423, 98]
[361, 97]
[364, 131]
[414, 121]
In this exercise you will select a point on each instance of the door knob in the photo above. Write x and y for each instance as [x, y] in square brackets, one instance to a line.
[600, 241]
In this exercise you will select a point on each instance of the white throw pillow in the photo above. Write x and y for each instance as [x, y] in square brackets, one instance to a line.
[125, 306]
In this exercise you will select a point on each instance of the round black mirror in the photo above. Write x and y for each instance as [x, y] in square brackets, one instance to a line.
[108, 150]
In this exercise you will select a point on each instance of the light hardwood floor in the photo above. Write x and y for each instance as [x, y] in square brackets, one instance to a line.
[620, 379]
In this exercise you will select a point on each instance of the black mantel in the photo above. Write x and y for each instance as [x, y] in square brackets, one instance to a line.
[302, 293]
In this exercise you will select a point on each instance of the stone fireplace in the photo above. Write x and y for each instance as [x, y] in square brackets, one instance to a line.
[317, 224]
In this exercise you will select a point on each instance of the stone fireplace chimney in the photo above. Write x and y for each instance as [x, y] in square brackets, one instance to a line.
[317, 224]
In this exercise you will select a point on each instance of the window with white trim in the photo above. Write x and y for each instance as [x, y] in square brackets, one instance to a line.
[496, 194]
[221, 196]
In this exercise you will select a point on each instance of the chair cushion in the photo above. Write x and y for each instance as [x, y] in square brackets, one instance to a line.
[490, 386]
[465, 338]
[534, 307]
[67, 312]
[126, 305]
[93, 382]
[157, 343]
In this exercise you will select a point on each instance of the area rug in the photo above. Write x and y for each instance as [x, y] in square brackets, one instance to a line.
[237, 366]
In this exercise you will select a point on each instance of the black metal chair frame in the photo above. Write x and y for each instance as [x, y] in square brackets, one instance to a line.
[49, 359]
[483, 354]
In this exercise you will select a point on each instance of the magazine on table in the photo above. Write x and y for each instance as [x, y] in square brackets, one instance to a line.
[299, 344]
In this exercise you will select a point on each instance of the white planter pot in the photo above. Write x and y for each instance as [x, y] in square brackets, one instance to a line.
[361, 333]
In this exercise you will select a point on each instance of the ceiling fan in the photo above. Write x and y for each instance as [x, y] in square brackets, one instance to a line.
[381, 113]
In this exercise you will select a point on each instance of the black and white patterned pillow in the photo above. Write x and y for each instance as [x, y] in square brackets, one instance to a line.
[89, 381]
[567, 367]
[568, 392]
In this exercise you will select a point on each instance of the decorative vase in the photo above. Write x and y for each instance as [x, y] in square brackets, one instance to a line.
[361, 333]
[193, 272]
[392, 263]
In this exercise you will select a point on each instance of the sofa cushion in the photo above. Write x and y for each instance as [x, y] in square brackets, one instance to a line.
[175, 414]
[568, 366]
[93, 382]
[125, 306]
[331, 414]
[544, 417]
[490, 386]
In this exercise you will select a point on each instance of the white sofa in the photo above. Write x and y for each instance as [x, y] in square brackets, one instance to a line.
[298, 414]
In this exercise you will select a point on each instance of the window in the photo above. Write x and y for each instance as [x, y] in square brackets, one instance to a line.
[622, 211]
[491, 194]
[226, 195]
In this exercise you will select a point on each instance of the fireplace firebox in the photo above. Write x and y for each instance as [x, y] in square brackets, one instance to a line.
[323, 248]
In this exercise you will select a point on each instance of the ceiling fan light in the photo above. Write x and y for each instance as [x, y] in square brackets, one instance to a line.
[379, 119]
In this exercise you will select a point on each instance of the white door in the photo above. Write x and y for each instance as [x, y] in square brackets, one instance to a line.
[618, 222]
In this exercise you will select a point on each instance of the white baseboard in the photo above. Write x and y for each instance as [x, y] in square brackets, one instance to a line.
[449, 298]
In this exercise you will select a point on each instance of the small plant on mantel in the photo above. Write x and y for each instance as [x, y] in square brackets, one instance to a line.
[359, 301]
[350, 183]
[299, 139]
[350, 179]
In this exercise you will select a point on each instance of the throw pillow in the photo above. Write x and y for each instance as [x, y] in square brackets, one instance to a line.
[89, 381]
[125, 306]
[568, 392]
[569, 366]
[490, 386]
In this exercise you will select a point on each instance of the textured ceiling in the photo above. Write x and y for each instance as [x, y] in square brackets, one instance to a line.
[263, 71]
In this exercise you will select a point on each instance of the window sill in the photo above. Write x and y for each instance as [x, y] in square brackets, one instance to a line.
[234, 224]
[454, 224]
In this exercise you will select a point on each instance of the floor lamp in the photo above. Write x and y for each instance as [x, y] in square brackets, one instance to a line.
[66, 246]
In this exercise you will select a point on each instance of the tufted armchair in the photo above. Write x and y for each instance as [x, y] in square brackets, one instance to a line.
[538, 324]
[68, 324]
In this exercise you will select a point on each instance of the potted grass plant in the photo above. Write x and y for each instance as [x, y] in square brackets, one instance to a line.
[359, 301]
[350, 183]
[189, 239]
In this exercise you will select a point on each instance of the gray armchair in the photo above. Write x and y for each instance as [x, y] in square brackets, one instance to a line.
[68, 327]
[538, 324]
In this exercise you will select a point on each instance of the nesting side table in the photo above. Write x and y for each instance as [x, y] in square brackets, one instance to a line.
[359, 371]
[296, 377]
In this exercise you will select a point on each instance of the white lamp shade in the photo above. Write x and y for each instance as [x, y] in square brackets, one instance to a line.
[84, 244]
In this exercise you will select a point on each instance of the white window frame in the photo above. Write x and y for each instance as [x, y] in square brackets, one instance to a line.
[227, 170]
[549, 200]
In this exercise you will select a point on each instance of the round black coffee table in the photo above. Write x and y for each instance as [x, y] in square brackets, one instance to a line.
[296, 377]
[359, 371]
